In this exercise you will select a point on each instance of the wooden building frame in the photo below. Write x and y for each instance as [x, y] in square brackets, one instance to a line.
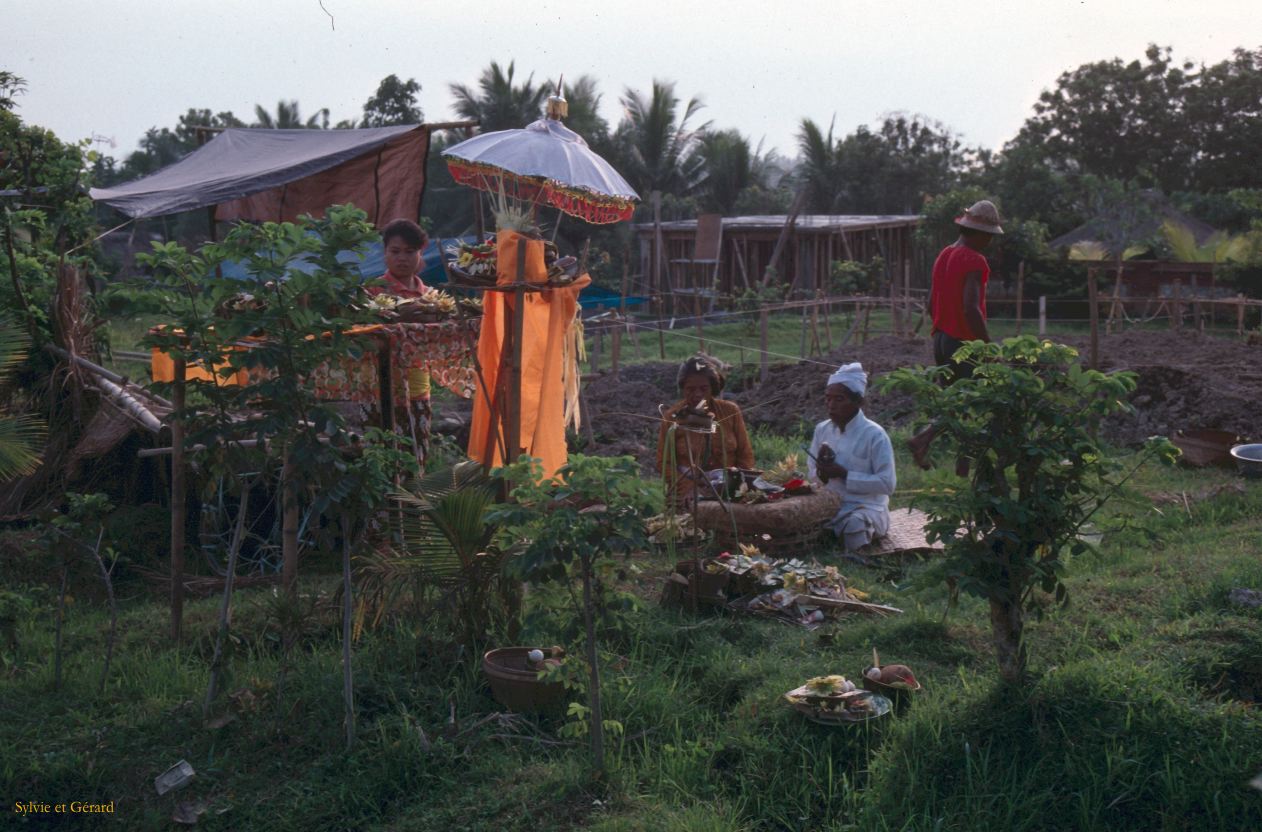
[813, 241]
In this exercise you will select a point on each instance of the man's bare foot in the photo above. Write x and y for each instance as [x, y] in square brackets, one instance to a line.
[919, 452]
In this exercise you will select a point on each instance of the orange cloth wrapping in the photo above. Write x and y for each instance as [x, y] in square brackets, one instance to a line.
[162, 368]
[546, 321]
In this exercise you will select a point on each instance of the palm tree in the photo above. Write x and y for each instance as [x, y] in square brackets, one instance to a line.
[288, 118]
[729, 166]
[498, 103]
[656, 142]
[819, 168]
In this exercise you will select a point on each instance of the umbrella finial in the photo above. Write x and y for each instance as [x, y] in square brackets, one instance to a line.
[557, 107]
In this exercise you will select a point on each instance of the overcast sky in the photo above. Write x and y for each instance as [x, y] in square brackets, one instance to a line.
[113, 68]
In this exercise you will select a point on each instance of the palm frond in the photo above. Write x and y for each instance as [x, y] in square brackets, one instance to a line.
[1088, 250]
[1182, 242]
[20, 440]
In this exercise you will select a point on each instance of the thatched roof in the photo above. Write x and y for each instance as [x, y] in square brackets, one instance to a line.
[1124, 224]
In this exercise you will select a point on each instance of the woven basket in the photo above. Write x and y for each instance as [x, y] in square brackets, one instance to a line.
[788, 525]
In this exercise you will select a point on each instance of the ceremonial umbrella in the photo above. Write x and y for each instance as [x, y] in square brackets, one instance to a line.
[544, 162]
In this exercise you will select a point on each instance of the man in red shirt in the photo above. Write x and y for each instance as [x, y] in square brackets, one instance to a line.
[957, 301]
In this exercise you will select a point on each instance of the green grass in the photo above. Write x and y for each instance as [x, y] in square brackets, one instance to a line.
[1141, 715]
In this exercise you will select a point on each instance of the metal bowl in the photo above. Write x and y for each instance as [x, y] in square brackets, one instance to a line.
[1248, 459]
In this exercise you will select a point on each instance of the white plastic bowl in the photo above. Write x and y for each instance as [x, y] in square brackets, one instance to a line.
[1248, 459]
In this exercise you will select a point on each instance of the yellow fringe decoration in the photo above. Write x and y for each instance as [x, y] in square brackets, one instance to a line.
[573, 352]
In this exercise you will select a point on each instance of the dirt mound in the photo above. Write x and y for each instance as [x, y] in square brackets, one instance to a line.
[1186, 380]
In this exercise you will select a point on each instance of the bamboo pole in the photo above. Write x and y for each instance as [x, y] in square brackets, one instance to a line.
[789, 221]
[1176, 307]
[1042, 315]
[1094, 313]
[513, 440]
[867, 314]
[348, 680]
[178, 508]
[1240, 313]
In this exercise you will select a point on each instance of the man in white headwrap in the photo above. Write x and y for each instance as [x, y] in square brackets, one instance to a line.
[852, 456]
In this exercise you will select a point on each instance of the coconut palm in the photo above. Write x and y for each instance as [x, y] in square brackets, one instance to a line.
[729, 166]
[498, 103]
[655, 142]
[288, 117]
[819, 169]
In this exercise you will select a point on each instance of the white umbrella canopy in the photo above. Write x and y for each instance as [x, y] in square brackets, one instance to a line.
[544, 162]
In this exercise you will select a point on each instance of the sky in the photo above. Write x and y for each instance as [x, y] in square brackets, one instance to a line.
[110, 69]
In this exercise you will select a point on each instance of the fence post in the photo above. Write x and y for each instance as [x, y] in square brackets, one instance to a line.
[600, 340]
[1176, 306]
[1240, 313]
[1094, 313]
[1196, 306]
[615, 337]
[762, 345]
[1020, 292]
[1042, 315]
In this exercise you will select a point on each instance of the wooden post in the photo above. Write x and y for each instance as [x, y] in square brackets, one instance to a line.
[616, 345]
[828, 324]
[700, 319]
[907, 293]
[867, 314]
[1042, 315]
[615, 350]
[178, 507]
[1240, 314]
[1176, 306]
[1197, 321]
[1020, 292]
[599, 344]
[762, 345]
[513, 440]
[1094, 313]
[896, 323]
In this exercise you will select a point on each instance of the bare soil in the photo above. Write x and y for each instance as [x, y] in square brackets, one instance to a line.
[1186, 380]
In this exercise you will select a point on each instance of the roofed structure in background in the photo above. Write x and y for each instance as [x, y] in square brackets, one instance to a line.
[812, 243]
[276, 175]
[1133, 221]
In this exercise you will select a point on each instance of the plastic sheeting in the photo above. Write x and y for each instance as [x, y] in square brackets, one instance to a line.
[278, 174]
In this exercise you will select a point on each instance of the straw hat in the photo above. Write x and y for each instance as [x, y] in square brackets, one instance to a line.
[982, 216]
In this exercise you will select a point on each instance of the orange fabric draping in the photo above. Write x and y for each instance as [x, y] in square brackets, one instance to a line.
[547, 316]
[444, 350]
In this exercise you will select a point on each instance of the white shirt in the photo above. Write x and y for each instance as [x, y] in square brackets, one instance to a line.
[864, 450]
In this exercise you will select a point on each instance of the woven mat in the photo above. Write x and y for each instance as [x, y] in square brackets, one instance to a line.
[907, 536]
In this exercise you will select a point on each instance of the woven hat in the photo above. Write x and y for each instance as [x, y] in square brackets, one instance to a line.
[982, 216]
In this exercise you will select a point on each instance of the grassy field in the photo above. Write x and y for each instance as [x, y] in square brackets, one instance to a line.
[1141, 715]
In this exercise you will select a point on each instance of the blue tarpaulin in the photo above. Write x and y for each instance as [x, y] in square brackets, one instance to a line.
[372, 263]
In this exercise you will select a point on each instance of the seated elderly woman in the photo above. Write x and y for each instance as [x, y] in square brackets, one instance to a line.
[703, 431]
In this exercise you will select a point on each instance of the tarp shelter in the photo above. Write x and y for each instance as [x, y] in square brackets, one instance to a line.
[276, 175]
